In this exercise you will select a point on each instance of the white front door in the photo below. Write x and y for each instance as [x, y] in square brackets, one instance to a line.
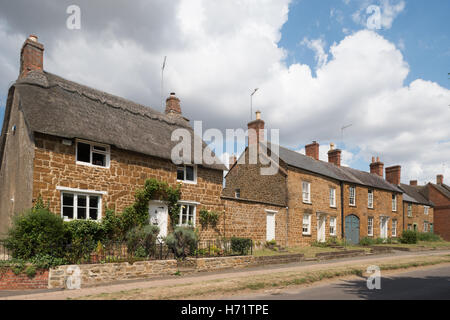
[158, 217]
[383, 227]
[321, 222]
[270, 226]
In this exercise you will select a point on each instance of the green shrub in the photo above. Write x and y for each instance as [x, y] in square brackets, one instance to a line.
[409, 237]
[380, 240]
[87, 231]
[319, 244]
[112, 226]
[30, 271]
[37, 231]
[141, 240]
[428, 236]
[47, 261]
[182, 241]
[366, 241]
[241, 245]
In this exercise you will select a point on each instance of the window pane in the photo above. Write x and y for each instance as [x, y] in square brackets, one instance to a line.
[81, 213]
[93, 202]
[189, 173]
[67, 199]
[83, 152]
[82, 201]
[184, 215]
[99, 159]
[180, 173]
[93, 214]
[99, 148]
[68, 212]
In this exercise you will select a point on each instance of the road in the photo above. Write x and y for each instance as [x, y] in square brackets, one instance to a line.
[429, 283]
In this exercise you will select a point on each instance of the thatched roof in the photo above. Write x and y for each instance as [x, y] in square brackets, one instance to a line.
[55, 106]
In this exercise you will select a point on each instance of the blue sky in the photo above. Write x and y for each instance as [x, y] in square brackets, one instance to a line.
[421, 31]
[317, 63]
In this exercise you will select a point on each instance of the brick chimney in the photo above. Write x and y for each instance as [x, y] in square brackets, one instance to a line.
[413, 183]
[334, 155]
[440, 179]
[256, 130]
[393, 174]
[232, 161]
[312, 150]
[31, 56]
[173, 105]
[376, 167]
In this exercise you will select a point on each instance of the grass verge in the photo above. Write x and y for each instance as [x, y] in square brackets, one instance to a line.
[234, 286]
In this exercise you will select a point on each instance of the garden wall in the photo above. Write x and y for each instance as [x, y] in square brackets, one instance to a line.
[97, 274]
[10, 281]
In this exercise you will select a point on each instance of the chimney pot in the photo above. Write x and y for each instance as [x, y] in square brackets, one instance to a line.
[413, 183]
[440, 179]
[312, 150]
[377, 167]
[256, 130]
[334, 155]
[173, 105]
[373, 159]
[31, 56]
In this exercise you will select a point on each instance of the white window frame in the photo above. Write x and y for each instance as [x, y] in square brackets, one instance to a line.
[394, 227]
[308, 224]
[394, 203]
[184, 170]
[87, 194]
[107, 153]
[237, 193]
[332, 226]
[350, 197]
[409, 210]
[306, 192]
[180, 218]
[370, 221]
[370, 199]
[426, 210]
[333, 197]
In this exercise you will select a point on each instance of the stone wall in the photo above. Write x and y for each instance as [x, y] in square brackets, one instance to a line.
[98, 274]
[320, 203]
[248, 219]
[55, 166]
[418, 217]
[382, 206]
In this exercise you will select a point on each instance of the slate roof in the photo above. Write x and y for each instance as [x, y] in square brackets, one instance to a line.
[345, 174]
[56, 106]
[415, 194]
[443, 188]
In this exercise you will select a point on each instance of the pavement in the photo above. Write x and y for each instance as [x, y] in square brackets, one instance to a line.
[225, 274]
[431, 283]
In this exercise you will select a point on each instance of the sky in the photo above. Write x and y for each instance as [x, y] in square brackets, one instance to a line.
[378, 66]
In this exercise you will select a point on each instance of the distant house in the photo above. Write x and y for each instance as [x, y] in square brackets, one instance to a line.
[320, 199]
[82, 149]
[417, 209]
[439, 194]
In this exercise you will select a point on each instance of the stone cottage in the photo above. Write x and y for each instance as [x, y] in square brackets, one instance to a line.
[81, 149]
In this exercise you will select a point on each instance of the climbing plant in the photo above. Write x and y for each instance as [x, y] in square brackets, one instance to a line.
[208, 218]
[137, 213]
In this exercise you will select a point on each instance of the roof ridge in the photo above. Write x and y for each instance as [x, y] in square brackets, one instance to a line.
[71, 87]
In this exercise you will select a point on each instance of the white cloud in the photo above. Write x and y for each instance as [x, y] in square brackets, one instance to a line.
[220, 51]
[388, 9]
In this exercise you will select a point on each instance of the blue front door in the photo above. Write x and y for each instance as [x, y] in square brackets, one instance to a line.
[352, 229]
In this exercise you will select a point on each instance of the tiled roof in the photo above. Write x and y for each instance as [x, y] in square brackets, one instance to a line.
[345, 174]
[415, 194]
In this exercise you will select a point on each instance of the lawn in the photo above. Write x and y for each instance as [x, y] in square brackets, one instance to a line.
[309, 251]
[420, 244]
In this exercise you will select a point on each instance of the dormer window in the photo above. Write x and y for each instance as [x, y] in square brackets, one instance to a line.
[94, 154]
[237, 193]
[187, 173]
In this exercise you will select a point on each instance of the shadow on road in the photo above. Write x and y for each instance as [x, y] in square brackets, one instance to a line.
[399, 288]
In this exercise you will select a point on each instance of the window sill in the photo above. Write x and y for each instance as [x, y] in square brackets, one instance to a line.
[87, 164]
[187, 181]
[307, 234]
[371, 208]
[333, 207]
[306, 202]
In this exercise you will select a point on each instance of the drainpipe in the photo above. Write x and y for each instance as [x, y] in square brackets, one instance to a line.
[342, 210]
[403, 205]
[287, 210]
